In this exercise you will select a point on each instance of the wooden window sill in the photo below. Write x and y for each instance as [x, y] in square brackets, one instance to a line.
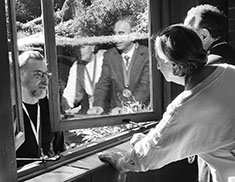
[82, 168]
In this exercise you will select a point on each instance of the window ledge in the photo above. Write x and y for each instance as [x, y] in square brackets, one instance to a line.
[82, 168]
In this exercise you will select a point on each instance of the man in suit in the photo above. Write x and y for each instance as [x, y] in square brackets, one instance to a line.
[125, 73]
[39, 138]
[211, 26]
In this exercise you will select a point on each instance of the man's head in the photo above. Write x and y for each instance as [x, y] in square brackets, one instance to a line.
[177, 56]
[87, 52]
[34, 76]
[124, 26]
[209, 23]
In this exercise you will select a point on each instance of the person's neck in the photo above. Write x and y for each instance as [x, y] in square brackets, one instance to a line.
[27, 98]
[198, 76]
[129, 48]
[90, 59]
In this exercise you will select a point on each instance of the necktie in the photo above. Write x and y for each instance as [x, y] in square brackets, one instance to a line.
[127, 61]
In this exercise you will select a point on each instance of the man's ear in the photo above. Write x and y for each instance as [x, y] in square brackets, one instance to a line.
[206, 36]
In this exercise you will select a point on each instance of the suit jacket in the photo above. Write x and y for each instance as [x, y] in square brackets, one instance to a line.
[222, 50]
[111, 82]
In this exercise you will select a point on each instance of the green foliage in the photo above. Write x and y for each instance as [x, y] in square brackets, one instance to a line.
[27, 10]
[99, 18]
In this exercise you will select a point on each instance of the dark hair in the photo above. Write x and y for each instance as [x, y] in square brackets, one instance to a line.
[183, 47]
[211, 18]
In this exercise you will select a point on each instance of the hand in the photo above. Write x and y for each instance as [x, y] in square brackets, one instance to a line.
[116, 110]
[136, 138]
[97, 110]
[110, 157]
[64, 104]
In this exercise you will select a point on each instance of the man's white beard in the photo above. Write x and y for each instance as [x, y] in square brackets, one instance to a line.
[39, 94]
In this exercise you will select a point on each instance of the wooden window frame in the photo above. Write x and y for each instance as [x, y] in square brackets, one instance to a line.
[19, 136]
[58, 125]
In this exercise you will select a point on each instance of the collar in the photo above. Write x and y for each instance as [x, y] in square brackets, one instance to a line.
[215, 44]
[198, 76]
[131, 51]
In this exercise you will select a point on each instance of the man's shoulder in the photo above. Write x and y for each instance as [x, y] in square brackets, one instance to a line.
[112, 50]
[225, 52]
[142, 48]
[223, 49]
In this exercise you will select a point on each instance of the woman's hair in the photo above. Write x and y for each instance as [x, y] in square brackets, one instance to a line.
[183, 47]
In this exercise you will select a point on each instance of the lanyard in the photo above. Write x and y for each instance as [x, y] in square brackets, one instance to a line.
[92, 81]
[35, 130]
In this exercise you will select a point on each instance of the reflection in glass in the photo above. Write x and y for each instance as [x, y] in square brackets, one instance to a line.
[81, 46]
[84, 33]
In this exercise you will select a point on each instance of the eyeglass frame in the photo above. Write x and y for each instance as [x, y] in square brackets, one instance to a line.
[38, 74]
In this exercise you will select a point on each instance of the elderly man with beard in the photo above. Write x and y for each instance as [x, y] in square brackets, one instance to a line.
[39, 138]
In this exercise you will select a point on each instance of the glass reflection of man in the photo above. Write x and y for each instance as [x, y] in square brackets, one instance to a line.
[83, 76]
[125, 73]
[39, 138]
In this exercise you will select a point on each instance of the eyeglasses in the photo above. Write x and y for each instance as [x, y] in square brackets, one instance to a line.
[41, 74]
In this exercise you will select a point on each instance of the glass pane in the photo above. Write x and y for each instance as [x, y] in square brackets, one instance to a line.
[94, 77]
[84, 34]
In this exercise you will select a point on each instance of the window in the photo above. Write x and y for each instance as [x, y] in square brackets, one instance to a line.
[159, 90]
[63, 121]
[54, 48]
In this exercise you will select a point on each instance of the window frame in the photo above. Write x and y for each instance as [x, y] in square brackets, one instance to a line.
[7, 140]
[59, 124]
[20, 136]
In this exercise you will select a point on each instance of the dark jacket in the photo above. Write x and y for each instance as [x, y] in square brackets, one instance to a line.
[222, 49]
[111, 83]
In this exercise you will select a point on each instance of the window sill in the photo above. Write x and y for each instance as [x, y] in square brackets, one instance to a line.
[81, 161]
[83, 168]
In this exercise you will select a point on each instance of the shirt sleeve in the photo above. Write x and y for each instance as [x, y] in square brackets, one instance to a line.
[154, 151]
[192, 124]
[74, 91]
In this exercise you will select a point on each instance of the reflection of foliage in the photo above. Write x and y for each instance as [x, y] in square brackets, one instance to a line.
[95, 134]
[94, 20]
[99, 134]
[98, 19]
[27, 10]
[142, 22]
[131, 105]
[134, 107]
